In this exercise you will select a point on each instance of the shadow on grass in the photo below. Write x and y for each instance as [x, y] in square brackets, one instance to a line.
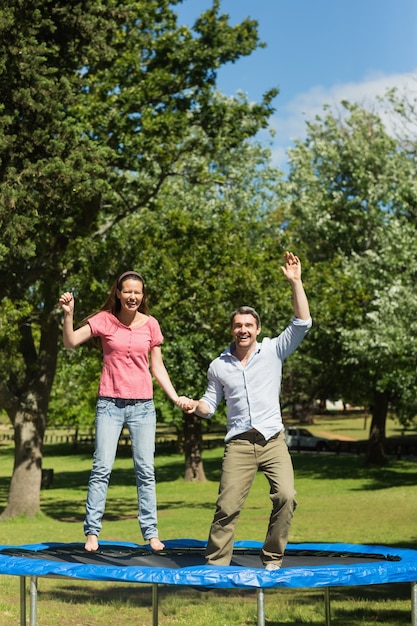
[375, 609]
[399, 473]
[136, 594]
[167, 469]
[117, 509]
[122, 477]
[348, 605]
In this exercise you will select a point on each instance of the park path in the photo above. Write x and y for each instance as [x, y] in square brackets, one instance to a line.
[329, 435]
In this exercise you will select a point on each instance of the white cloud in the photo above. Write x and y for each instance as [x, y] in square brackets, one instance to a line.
[289, 122]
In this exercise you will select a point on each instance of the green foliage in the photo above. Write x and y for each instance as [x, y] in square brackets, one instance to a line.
[101, 103]
[45, 155]
[117, 151]
[74, 393]
[12, 316]
[352, 203]
[204, 250]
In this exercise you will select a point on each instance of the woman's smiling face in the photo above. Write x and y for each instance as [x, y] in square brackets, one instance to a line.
[131, 294]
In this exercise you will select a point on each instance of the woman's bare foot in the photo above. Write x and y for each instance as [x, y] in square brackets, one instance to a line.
[91, 545]
[156, 545]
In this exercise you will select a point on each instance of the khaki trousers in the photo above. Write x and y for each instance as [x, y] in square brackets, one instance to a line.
[241, 461]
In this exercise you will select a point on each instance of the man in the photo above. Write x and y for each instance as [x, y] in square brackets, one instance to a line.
[248, 375]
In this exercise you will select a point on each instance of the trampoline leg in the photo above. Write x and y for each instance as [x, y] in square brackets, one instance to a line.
[22, 601]
[327, 604]
[261, 607]
[33, 600]
[414, 604]
[154, 605]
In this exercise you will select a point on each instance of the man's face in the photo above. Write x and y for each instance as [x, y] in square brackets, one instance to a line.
[244, 330]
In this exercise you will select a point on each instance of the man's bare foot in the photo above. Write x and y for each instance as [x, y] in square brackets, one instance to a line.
[156, 545]
[91, 545]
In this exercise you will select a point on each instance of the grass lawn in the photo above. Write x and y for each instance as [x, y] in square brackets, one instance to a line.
[339, 500]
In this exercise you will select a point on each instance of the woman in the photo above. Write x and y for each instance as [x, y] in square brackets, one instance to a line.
[129, 337]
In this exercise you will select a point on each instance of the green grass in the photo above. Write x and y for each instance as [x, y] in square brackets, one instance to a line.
[352, 425]
[339, 500]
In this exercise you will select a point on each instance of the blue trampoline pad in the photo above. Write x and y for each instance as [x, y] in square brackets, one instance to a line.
[182, 563]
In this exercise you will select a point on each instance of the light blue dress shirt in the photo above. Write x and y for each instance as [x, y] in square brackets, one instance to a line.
[252, 392]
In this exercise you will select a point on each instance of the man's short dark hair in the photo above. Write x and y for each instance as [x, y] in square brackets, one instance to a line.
[246, 310]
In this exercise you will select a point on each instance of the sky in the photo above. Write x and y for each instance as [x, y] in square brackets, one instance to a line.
[318, 52]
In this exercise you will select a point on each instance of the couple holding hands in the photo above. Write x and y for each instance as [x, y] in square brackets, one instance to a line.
[247, 375]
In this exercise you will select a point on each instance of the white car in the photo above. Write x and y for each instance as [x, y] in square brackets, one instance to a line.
[303, 439]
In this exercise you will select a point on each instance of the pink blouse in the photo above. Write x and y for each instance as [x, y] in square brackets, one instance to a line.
[125, 372]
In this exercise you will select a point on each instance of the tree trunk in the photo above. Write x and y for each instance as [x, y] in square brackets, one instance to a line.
[27, 407]
[376, 443]
[303, 411]
[25, 485]
[194, 469]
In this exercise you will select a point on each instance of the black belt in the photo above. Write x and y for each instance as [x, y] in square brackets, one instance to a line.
[254, 436]
[122, 402]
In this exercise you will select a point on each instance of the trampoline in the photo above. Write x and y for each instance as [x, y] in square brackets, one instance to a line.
[182, 563]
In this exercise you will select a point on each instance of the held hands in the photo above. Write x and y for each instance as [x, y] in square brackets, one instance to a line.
[292, 268]
[186, 404]
[67, 302]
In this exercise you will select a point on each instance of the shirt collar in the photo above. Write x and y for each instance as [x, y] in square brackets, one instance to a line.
[229, 350]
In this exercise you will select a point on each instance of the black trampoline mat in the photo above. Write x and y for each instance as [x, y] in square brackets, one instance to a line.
[124, 556]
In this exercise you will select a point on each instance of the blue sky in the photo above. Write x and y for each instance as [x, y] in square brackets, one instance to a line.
[319, 52]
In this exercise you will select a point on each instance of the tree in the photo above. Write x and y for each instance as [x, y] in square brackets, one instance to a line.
[353, 205]
[101, 103]
[205, 250]
[218, 243]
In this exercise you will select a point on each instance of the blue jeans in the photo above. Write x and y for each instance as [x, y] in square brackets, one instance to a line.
[139, 417]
